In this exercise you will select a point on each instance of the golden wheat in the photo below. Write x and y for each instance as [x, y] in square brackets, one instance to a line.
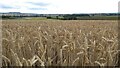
[59, 43]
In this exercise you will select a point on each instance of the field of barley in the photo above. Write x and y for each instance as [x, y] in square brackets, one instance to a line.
[59, 42]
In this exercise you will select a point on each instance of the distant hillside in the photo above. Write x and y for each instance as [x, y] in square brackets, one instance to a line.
[95, 16]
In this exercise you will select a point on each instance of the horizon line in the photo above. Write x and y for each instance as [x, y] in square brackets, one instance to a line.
[63, 13]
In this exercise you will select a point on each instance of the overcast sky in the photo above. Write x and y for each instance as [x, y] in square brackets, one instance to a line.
[59, 6]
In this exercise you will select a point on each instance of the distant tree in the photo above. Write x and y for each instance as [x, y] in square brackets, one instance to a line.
[49, 17]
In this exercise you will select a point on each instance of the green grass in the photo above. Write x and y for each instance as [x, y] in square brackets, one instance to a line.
[99, 18]
[35, 18]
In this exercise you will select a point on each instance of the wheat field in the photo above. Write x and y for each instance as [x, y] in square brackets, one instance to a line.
[59, 43]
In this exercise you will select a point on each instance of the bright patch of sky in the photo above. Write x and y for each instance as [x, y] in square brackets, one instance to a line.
[59, 6]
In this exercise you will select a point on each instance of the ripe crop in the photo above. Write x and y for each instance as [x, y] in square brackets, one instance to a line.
[59, 43]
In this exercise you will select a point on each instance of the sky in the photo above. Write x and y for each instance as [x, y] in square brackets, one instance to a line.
[59, 6]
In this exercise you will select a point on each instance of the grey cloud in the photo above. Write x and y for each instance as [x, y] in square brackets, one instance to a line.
[37, 8]
[38, 3]
[8, 7]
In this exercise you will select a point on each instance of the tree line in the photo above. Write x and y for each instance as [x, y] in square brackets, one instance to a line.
[108, 16]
